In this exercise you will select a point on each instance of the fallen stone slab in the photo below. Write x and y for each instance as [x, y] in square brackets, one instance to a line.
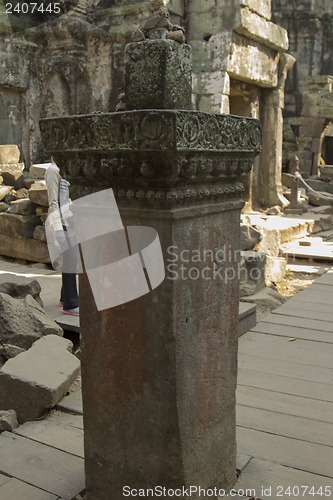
[9, 351]
[249, 237]
[4, 190]
[23, 321]
[22, 206]
[37, 171]
[18, 226]
[34, 382]
[38, 193]
[9, 153]
[26, 249]
[8, 421]
[13, 176]
[19, 287]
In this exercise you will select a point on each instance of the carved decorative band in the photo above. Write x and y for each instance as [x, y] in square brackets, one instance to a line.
[182, 196]
[155, 169]
[152, 130]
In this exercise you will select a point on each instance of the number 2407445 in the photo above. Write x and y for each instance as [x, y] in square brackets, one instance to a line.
[30, 8]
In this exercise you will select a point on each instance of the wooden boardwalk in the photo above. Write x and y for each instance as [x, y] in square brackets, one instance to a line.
[284, 412]
[285, 399]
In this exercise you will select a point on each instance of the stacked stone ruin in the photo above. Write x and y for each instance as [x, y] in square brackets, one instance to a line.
[23, 208]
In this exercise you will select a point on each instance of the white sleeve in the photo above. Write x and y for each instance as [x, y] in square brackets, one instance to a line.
[52, 178]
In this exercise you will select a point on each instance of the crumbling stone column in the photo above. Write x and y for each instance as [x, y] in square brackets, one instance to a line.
[272, 143]
[159, 373]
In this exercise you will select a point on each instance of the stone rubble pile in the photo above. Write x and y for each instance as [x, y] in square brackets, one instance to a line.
[35, 381]
[23, 208]
[22, 317]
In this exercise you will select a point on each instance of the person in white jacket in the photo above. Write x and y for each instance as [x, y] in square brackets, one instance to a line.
[61, 224]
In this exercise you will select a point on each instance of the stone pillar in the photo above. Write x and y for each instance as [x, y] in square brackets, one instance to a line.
[159, 373]
[272, 142]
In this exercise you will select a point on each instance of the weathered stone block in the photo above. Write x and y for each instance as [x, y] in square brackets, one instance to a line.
[11, 351]
[18, 226]
[1, 179]
[38, 193]
[318, 105]
[252, 272]
[276, 268]
[251, 61]
[28, 182]
[250, 237]
[22, 207]
[254, 26]
[19, 287]
[23, 321]
[150, 62]
[9, 153]
[8, 420]
[211, 82]
[4, 191]
[26, 249]
[197, 7]
[22, 194]
[13, 177]
[176, 7]
[34, 381]
[37, 171]
[261, 7]
[40, 234]
[41, 210]
[202, 25]
[3, 206]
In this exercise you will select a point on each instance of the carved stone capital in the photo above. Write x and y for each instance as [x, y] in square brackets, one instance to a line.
[161, 156]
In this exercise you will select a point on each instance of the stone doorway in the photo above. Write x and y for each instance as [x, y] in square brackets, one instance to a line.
[244, 100]
[327, 150]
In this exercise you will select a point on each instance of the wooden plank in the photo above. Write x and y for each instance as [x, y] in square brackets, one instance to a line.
[310, 457]
[299, 351]
[299, 304]
[67, 322]
[260, 474]
[292, 310]
[293, 332]
[300, 428]
[66, 419]
[281, 319]
[3, 479]
[317, 287]
[242, 461]
[314, 298]
[285, 385]
[321, 411]
[18, 490]
[72, 403]
[60, 436]
[46, 468]
[326, 279]
[285, 368]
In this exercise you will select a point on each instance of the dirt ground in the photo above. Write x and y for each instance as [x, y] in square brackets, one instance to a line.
[294, 283]
[279, 293]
